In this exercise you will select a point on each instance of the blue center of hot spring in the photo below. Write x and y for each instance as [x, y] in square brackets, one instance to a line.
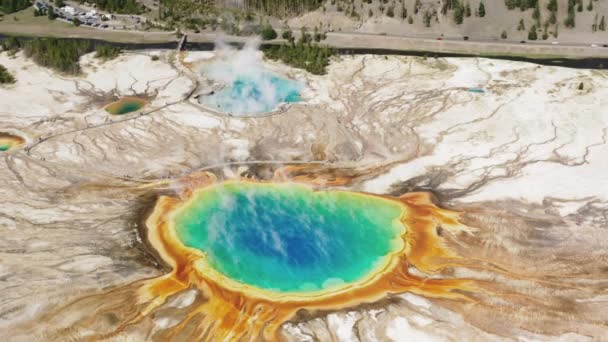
[289, 238]
[254, 94]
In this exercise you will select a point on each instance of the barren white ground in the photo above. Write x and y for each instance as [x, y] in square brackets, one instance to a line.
[533, 146]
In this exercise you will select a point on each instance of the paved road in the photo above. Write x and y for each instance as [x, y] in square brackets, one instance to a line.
[475, 38]
[427, 43]
[456, 44]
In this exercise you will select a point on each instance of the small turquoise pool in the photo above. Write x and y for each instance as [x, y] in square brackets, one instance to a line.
[254, 94]
[289, 238]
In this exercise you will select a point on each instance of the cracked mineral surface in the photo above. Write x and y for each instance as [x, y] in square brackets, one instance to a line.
[525, 162]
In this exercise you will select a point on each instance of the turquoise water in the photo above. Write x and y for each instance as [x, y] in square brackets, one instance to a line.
[128, 107]
[5, 147]
[254, 94]
[125, 105]
[287, 238]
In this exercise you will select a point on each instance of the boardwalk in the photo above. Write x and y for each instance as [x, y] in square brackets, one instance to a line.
[182, 42]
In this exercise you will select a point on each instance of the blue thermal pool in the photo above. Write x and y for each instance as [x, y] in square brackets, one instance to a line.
[289, 238]
[256, 93]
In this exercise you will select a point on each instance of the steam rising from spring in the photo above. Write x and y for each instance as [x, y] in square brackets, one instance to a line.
[242, 85]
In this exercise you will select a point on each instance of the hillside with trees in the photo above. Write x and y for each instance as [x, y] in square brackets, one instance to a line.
[106, 52]
[304, 55]
[59, 54]
[487, 19]
[572, 21]
[10, 6]
[283, 6]
[119, 6]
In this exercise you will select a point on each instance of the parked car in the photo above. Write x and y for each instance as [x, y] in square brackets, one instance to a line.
[465, 38]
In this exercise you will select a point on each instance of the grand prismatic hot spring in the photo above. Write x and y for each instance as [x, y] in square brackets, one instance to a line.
[299, 240]
[261, 251]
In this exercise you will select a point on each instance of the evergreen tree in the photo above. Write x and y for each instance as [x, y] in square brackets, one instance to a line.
[552, 18]
[467, 10]
[268, 33]
[11, 44]
[521, 26]
[274, 7]
[570, 18]
[552, 5]
[131, 6]
[51, 13]
[403, 12]
[458, 13]
[427, 18]
[602, 25]
[5, 76]
[10, 6]
[503, 35]
[590, 6]
[532, 34]
[310, 57]
[556, 31]
[482, 9]
[536, 13]
[105, 51]
[59, 54]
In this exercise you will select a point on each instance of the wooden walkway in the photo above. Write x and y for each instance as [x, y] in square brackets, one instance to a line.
[182, 42]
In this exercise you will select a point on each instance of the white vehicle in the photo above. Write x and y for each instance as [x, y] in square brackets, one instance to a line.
[593, 45]
[554, 43]
[69, 9]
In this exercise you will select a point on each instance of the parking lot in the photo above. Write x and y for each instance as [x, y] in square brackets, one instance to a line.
[90, 16]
